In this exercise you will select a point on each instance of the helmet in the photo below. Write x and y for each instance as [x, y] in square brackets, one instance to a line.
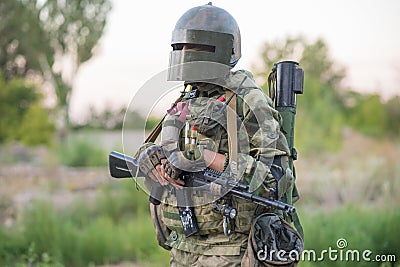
[203, 34]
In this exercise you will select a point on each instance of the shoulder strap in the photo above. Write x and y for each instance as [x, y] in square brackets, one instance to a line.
[155, 132]
[231, 116]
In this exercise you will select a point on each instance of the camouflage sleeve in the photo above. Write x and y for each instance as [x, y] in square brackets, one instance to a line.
[260, 139]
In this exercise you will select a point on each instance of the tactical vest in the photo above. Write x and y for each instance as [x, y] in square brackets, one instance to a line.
[209, 221]
[210, 240]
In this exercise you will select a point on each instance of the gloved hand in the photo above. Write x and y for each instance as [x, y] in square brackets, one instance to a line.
[150, 156]
[171, 170]
[152, 162]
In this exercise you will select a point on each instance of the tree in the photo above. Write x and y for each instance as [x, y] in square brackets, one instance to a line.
[23, 118]
[319, 116]
[22, 41]
[109, 118]
[367, 114]
[74, 28]
[52, 41]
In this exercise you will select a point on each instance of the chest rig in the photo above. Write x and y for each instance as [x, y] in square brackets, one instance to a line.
[212, 114]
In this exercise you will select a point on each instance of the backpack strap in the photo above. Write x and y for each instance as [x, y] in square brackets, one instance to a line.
[297, 224]
[231, 118]
[232, 127]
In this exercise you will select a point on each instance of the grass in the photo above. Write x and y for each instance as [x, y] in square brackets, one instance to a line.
[351, 194]
[115, 227]
[363, 229]
[82, 152]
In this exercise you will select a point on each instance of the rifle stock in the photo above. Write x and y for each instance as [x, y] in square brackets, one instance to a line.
[121, 165]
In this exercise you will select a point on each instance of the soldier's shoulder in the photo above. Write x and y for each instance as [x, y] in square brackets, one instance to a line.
[243, 72]
[241, 81]
[250, 91]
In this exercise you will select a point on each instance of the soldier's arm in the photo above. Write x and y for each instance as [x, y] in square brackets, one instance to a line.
[261, 121]
[214, 160]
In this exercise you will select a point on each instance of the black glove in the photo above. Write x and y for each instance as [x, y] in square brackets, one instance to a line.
[150, 157]
[171, 170]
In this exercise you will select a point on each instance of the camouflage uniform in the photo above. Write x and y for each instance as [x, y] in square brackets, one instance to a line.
[216, 36]
[180, 258]
[210, 247]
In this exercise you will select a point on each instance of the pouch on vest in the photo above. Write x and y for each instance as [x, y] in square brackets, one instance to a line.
[207, 115]
[209, 221]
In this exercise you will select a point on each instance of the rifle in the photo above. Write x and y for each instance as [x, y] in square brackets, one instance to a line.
[216, 183]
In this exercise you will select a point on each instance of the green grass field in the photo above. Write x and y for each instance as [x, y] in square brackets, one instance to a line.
[53, 215]
[116, 227]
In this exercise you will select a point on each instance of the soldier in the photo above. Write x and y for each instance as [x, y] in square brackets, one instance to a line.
[200, 131]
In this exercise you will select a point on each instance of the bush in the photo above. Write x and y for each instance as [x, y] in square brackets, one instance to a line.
[367, 114]
[82, 152]
[85, 233]
[23, 117]
[372, 230]
[90, 232]
[35, 127]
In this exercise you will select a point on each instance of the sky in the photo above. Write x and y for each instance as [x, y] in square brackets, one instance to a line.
[362, 36]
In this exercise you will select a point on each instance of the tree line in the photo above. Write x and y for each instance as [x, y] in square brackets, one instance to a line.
[327, 105]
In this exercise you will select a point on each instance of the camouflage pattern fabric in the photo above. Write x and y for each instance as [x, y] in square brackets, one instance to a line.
[258, 136]
[181, 258]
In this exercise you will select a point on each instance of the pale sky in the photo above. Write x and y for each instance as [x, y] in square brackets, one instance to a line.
[363, 36]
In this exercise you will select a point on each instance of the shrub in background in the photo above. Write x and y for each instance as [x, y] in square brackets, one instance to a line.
[87, 233]
[363, 229]
[82, 152]
[35, 127]
[23, 116]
